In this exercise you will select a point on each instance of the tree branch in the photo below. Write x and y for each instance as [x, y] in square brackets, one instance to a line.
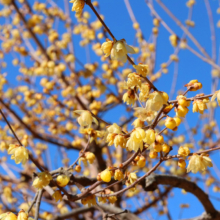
[153, 181]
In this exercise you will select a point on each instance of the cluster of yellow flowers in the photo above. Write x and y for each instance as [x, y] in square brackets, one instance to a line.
[22, 215]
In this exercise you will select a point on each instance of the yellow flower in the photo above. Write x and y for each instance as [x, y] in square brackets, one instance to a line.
[134, 80]
[165, 148]
[110, 139]
[120, 140]
[173, 40]
[138, 123]
[114, 128]
[141, 69]
[57, 195]
[135, 142]
[8, 216]
[199, 106]
[181, 111]
[150, 136]
[90, 157]
[111, 199]
[182, 101]
[102, 199]
[120, 50]
[194, 85]
[157, 100]
[132, 177]
[129, 97]
[78, 5]
[177, 120]
[118, 175]
[144, 92]
[5, 2]
[145, 114]
[216, 95]
[182, 163]
[170, 123]
[107, 47]
[85, 119]
[141, 162]
[89, 200]
[199, 163]
[184, 151]
[22, 215]
[106, 176]
[153, 154]
[42, 180]
[62, 180]
[157, 146]
[19, 153]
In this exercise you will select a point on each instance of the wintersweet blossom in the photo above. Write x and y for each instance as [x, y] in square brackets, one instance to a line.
[145, 114]
[107, 47]
[194, 85]
[138, 123]
[150, 136]
[114, 128]
[216, 96]
[157, 100]
[89, 200]
[85, 119]
[62, 180]
[134, 80]
[120, 50]
[142, 69]
[183, 151]
[78, 5]
[129, 97]
[170, 123]
[42, 180]
[135, 142]
[5, 2]
[8, 216]
[57, 195]
[132, 177]
[120, 140]
[199, 163]
[19, 153]
[22, 215]
[144, 92]
[199, 106]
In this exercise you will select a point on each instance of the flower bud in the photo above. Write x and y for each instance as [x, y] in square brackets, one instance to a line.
[165, 148]
[90, 157]
[157, 147]
[63, 180]
[106, 176]
[141, 162]
[182, 163]
[153, 154]
[78, 168]
[159, 139]
[22, 215]
[170, 123]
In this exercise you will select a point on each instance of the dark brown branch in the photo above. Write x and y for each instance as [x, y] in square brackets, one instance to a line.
[153, 181]
[106, 208]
